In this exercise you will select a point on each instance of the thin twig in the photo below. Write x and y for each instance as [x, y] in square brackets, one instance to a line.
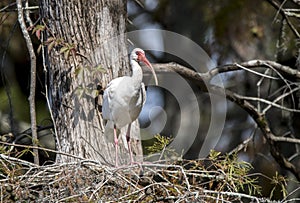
[255, 72]
[46, 91]
[234, 194]
[280, 98]
[42, 148]
[282, 12]
[244, 144]
[271, 103]
[27, 14]
[20, 161]
[284, 80]
[6, 8]
[250, 65]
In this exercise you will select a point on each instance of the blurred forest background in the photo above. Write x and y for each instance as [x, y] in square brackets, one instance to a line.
[230, 31]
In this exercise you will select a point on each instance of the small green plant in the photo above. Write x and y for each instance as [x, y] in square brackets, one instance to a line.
[37, 30]
[159, 145]
[66, 49]
[279, 181]
[160, 142]
[235, 172]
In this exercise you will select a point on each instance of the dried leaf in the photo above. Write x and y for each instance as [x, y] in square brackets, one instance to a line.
[80, 91]
[94, 93]
[38, 34]
[67, 54]
[100, 69]
[63, 49]
[39, 49]
[51, 45]
[50, 39]
[38, 28]
[79, 71]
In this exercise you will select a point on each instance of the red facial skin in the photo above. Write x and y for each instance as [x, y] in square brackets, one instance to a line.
[142, 57]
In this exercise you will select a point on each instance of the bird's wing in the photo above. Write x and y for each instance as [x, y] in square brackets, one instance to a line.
[122, 98]
[111, 91]
[136, 102]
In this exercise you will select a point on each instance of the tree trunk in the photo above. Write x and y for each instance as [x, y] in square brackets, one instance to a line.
[89, 50]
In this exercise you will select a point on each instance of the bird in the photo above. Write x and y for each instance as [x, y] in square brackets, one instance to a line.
[123, 100]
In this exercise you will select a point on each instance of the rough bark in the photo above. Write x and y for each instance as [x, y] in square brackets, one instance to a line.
[94, 30]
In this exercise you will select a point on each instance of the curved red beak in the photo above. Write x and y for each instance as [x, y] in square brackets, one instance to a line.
[145, 60]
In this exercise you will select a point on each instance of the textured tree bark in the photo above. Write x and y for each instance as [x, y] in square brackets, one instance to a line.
[91, 49]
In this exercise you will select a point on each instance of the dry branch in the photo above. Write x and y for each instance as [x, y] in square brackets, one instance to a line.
[285, 16]
[86, 181]
[202, 81]
[32, 78]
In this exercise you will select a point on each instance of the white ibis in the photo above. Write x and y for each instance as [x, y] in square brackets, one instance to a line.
[124, 98]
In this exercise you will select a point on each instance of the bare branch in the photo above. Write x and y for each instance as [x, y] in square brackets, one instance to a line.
[84, 180]
[293, 12]
[280, 98]
[32, 78]
[259, 118]
[234, 194]
[8, 6]
[27, 14]
[46, 150]
[272, 103]
[263, 125]
[252, 64]
[44, 56]
[244, 144]
[286, 139]
[255, 72]
[189, 74]
[282, 12]
[19, 161]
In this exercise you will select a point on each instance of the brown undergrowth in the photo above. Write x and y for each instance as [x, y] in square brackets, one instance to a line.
[217, 178]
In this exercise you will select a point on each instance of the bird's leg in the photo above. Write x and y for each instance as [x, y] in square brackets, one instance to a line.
[128, 143]
[116, 144]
